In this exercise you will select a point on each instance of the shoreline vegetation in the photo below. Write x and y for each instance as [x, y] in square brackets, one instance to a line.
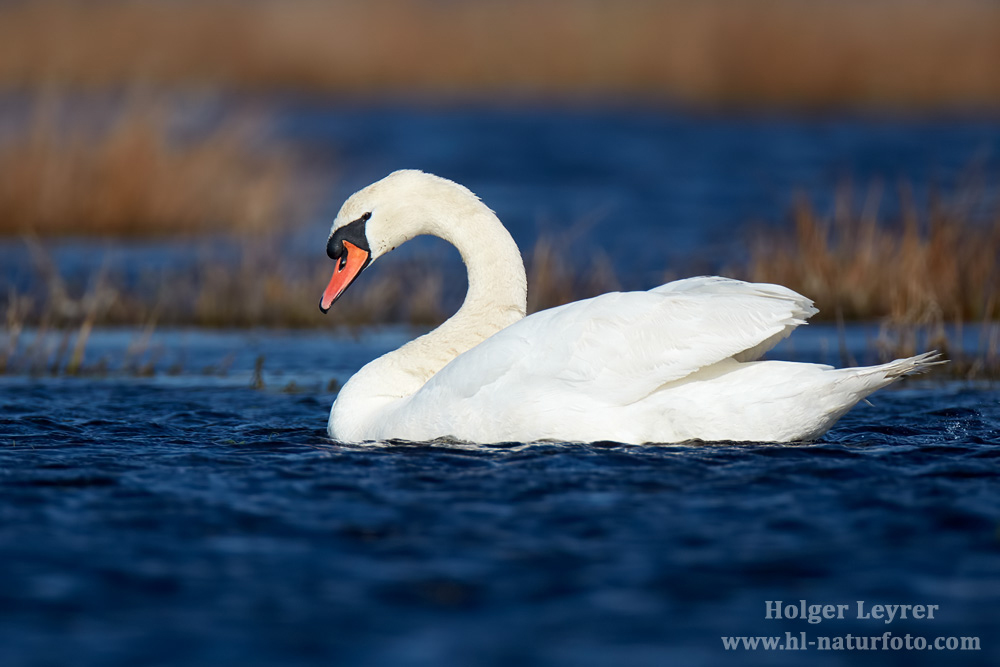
[232, 199]
[132, 169]
[139, 175]
[935, 262]
[897, 54]
[925, 282]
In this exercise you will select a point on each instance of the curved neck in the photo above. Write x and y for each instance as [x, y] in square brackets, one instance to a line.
[496, 298]
[498, 287]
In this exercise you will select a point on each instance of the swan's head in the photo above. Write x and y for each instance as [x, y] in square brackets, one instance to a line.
[379, 218]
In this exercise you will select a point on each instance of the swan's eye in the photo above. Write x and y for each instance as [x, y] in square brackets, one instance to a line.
[366, 216]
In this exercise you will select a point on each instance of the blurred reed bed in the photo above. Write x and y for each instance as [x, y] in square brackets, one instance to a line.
[925, 277]
[253, 284]
[134, 171]
[249, 285]
[933, 263]
[853, 52]
[47, 330]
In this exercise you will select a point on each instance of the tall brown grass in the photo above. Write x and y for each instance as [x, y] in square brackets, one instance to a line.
[263, 288]
[860, 52]
[944, 268]
[555, 278]
[914, 270]
[253, 284]
[135, 175]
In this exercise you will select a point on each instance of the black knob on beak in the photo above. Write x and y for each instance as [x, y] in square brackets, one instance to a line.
[334, 247]
[353, 232]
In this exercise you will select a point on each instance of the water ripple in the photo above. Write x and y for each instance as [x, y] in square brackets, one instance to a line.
[177, 525]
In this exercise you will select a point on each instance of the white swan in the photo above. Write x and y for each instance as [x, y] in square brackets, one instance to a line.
[672, 364]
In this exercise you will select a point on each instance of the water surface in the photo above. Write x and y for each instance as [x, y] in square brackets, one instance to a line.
[187, 519]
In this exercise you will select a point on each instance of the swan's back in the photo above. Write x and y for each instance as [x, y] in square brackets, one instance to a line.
[595, 366]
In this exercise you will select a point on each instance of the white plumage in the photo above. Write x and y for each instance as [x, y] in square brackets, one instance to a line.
[676, 363]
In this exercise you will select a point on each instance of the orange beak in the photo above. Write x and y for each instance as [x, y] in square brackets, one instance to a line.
[348, 268]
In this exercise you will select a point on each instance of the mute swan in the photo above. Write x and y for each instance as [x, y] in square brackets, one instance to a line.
[672, 364]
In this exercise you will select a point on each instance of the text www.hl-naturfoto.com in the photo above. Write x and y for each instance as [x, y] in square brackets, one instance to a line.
[885, 642]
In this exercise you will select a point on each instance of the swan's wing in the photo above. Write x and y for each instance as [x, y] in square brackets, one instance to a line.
[624, 346]
[802, 308]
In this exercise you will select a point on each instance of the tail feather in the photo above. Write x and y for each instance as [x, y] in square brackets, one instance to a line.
[911, 365]
[860, 382]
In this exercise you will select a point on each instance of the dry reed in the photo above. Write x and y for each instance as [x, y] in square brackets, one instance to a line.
[911, 271]
[854, 265]
[925, 277]
[251, 284]
[554, 278]
[262, 289]
[135, 175]
[924, 280]
[884, 52]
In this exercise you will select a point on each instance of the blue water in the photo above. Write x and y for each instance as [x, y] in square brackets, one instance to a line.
[187, 519]
[651, 186]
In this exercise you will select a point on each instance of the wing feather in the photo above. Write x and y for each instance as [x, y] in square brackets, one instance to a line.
[623, 346]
